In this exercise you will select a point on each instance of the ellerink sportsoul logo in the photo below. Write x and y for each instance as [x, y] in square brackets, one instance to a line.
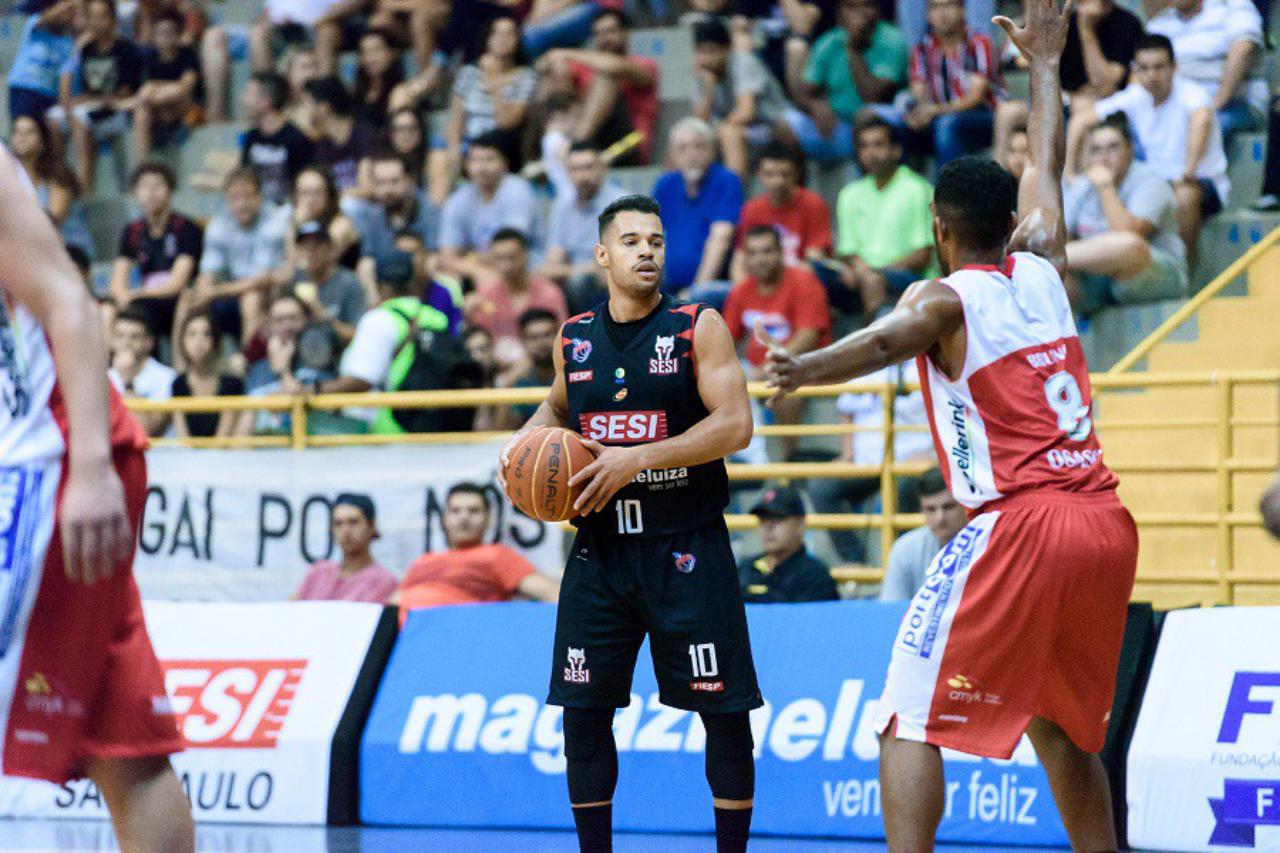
[962, 451]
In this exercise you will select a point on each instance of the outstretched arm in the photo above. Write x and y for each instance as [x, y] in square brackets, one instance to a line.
[96, 536]
[927, 312]
[1042, 230]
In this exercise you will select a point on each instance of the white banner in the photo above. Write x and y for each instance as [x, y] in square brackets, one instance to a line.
[243, 525]
[1204, 763]
[259, 690]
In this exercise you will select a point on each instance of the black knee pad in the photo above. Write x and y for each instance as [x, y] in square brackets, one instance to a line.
[586, 730]
[731, 767]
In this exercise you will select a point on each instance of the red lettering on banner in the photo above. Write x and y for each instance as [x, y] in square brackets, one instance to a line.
[623, 427]
[232, 704]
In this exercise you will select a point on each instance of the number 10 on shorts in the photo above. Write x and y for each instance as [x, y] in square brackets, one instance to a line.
[703, 658]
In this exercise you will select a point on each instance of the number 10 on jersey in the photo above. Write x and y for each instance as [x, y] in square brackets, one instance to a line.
[630, 519]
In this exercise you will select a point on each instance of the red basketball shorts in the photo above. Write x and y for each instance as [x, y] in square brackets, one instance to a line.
[78, 678]
[1021, 615]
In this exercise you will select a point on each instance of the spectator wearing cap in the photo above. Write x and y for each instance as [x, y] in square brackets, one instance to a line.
[470, 571]
[342, 141]
[834, 93]
[498, 301]
[885, 224]
[358, 577]
[1219, 45]
[493, 199]
[700, 203]
[243, 248]
[397, 207]
[332, 293]
[377, 358]
[911, 555]
[736, 92]
[786, 573]
[575, 228]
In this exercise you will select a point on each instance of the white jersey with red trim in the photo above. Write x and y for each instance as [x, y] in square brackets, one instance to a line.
[29, 432]
[1020, 415]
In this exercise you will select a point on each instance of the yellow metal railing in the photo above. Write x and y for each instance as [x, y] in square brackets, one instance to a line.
[1219, 460]
[1188, 309]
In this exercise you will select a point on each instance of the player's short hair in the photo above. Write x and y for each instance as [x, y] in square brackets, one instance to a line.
[628, 203]
[136, 314]
[1119, 122]
[536, 315]
[468, 489]
[764, 231]
[976, 198]
[153, 168]
[492, 140]
[273, 86]
[333, 93]
[243, 175]
[1155, 41]
[931, 482]
[504, 234]
[868, 121]
[711, 31]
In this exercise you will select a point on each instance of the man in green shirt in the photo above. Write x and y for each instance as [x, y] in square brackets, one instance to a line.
[884, 223]
[861, 62]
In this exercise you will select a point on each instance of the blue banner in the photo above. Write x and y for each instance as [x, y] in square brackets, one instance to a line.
[459, 735]
[1245, 805]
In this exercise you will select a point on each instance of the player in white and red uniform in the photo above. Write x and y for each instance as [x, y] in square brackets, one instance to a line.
[1019, 623]
[81, 691]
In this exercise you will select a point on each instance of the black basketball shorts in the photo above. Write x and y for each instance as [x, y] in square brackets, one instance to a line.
[682, 590]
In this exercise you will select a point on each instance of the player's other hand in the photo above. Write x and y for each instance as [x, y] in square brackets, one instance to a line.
[612, 469]
[782, 368]
[504, 455]
[1044, 34]
[96, 536]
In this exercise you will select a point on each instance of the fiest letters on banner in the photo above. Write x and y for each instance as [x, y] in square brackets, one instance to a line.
[243, 525]
[1204, 764]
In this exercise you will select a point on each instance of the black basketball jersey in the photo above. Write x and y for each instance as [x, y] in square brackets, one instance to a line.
[645, 390]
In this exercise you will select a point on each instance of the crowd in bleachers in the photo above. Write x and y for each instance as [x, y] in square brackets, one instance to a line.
[418, 181]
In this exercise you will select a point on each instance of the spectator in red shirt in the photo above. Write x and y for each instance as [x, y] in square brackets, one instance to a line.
[955, 81]
[619, 92]
[358, 577]
[470, 572]
[788, 302]
[497, 303]
[799, 214]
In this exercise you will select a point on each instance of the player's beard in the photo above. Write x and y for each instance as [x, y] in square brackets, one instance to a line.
[636, 287]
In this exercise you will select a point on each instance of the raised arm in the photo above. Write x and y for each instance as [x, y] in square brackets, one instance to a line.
[726, 429]
[1043, 228]
[96, 536]
[927, 312]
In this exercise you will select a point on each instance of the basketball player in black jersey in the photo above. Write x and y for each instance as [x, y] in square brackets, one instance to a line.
[655, 387]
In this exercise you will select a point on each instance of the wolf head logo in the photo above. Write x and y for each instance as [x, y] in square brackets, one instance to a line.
[664, 346]
[577, 659]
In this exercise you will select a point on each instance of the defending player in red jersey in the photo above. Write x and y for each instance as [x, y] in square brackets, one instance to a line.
[81, 691]
[1019, 623]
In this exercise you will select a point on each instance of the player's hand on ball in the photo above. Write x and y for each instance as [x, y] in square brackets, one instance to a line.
[504, 456]
[781, 366]
[96, 536]
[612, 469]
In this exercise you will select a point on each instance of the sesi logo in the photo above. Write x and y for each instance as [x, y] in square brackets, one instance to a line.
[232, 704]
[618, 427]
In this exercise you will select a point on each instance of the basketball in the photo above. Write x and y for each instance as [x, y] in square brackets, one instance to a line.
[539, 469]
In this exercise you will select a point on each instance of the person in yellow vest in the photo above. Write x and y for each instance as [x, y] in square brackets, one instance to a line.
[382, 350]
